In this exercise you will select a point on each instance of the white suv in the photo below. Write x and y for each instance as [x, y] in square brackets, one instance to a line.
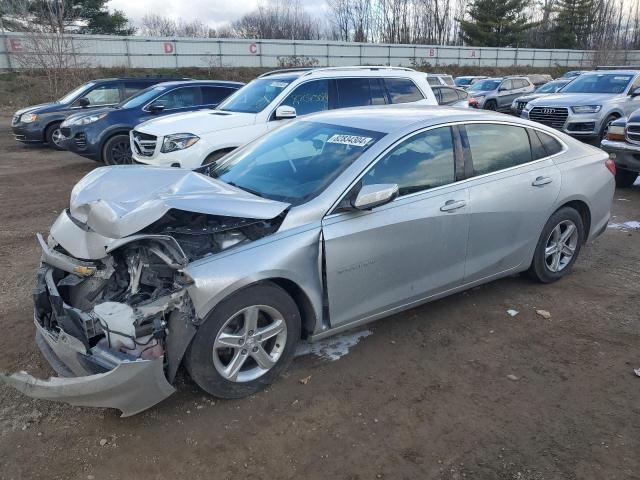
[189, 140]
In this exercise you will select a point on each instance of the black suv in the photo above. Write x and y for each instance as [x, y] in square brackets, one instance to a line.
[41, 123]
[103, 134]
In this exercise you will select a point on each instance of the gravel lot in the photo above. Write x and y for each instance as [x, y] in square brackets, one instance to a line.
[451, 390]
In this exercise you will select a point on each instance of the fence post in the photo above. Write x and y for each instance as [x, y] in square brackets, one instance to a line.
[360, 54]
[220, 51]
[5, 39]
[327, 54]
[127, 51]
[389, 55]
[175, 51]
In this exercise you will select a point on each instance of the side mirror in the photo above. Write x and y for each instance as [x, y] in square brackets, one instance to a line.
[371, 196]
[84, 102]
[156, 107]
[285, 111]
[635, 93]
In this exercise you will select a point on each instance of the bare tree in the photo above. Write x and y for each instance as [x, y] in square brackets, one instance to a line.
[154, 25]
[278, 20]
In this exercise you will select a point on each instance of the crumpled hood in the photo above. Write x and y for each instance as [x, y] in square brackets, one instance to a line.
[530, 98]
[199, 122]
[574, 99]
[121, 200]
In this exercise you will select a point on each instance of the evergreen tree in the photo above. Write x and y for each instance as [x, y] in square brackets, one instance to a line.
[573, 23]
[496, 23]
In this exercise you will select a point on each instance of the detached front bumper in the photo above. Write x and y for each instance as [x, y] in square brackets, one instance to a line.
[627, 155]
[91, 376]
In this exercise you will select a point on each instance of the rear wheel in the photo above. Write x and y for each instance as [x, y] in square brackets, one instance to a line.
[53, 136]
[558, 246]
[625, 178]
[117, 151]
[245, 343]
[491, 105]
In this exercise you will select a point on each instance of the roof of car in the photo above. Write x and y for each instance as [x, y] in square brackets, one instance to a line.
[391, 118]
[221, 83]
[368, 70]
[614, 72]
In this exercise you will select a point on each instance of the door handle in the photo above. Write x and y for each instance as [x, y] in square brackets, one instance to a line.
[540, 181]
[451, 205]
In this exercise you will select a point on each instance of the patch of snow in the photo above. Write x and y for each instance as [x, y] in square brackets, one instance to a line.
[332, 348]
[630, 225]
[512, 312]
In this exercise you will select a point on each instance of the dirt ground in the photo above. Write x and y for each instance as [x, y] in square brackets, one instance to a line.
[456, 389]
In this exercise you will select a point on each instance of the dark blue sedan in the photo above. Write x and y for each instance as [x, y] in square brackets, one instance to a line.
[103, 135]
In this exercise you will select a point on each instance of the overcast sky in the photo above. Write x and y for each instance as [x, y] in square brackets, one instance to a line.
[213, 13]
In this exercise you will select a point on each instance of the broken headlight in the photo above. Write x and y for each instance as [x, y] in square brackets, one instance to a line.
[178, 141]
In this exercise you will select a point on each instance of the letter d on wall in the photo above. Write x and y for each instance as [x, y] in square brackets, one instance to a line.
[168, 47]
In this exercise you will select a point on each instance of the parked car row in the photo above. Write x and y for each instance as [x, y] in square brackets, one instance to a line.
[293, 217]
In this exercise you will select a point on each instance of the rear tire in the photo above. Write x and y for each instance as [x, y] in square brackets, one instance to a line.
[558, 247]
[53, 136]
[117, 151]
[228, 333]
[491, 105]
[625, 178]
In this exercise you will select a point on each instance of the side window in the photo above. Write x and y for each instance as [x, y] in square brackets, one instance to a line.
[423, 161]
[550, 144]
[214, 95]
[402, 90]
[353, 92]
[506, 85]
[462, 95]
[309, 97]
[496, 147]
[104, 95]
[635, 84]
[449, 96]
[537, 149]
[180, 98]
[131, 88]
[377, 92]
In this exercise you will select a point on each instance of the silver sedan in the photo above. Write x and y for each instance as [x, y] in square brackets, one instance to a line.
[325, 224]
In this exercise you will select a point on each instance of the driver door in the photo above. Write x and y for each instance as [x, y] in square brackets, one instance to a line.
[409, 249]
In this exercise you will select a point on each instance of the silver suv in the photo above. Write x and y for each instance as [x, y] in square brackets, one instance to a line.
[587, 105]
[499, 93]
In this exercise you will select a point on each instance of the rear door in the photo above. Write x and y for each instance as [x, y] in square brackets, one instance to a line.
[359, 92]
[511, 196]
[504, 94]
[409, 249]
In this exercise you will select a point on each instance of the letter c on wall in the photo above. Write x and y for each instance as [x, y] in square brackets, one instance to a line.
[253, 48]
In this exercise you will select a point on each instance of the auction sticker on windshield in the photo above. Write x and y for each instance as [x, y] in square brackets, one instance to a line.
[278, 84]
[350, 140]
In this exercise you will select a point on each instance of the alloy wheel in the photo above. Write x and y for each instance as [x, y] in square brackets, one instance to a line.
[249, 343]
[56, 137]
[561, 246]
[121, 153]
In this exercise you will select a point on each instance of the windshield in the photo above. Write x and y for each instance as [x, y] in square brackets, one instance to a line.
[73, 94]
[598, 83]
[255, 96]
[296, 162]
[485, 85]
[142, 97]
[461, 81]
[551, 87]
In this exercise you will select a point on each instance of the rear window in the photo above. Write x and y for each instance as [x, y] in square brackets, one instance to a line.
[496, 147]
[550, 144]
[402, 90]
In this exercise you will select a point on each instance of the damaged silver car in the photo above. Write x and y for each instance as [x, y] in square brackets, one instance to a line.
[327, 223]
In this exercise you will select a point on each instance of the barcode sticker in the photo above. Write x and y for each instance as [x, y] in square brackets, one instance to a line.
[350, 140]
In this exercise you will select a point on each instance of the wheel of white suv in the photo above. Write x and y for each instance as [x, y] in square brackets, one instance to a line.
[558, 246]
[245, 343]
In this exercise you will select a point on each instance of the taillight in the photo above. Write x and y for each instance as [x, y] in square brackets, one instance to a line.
[473, 103]
[611, 164]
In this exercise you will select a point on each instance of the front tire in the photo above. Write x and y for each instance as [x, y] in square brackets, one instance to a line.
[117, 151]
[605, 126]
[491, 105]
[558, 246]
[245, 342]
[53, 135]
[625, 178]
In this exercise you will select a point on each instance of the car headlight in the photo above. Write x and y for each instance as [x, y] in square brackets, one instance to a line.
[178, 141]
[88, 119]
[527, 107]
[28, 117]
[586, 109]
[615, 133]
